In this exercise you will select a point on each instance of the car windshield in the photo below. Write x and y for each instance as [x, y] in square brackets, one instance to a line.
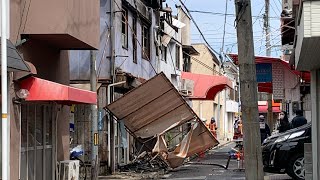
[290, 131]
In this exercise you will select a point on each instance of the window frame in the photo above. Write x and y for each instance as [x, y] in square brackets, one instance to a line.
[124, 21]
[145, 41]
[164, 54]
[178, 48]
[134, 41]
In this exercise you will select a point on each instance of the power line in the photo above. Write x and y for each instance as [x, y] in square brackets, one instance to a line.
[194, 22]
[277, 6]
[27, 16]
[259, 15]
[274, 10]
[24, 7]
[225, 14]
[224, 26]
[275, 30]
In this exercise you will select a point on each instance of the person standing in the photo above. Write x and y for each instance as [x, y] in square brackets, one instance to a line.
[299, 120]
[264, 129]
[284, 123]
[213, 127]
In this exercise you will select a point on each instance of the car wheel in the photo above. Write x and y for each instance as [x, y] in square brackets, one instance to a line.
[295, 168]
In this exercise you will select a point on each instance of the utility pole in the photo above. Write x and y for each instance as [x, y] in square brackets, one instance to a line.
[268, 53]
[111, 122]
[248, 83]
[94, 119]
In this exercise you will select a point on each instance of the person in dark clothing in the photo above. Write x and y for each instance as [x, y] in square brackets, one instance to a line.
[299, 120]
[264, 129]
[284, 124]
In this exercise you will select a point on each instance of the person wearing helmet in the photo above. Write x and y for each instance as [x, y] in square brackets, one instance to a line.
[213, 127]
[264, 128]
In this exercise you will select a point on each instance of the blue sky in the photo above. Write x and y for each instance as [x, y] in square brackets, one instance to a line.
[212, 25]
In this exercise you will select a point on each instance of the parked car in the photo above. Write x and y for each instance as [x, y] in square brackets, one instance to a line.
[284, 152]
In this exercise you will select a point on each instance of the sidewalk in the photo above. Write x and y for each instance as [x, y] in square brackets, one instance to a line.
[133, 175]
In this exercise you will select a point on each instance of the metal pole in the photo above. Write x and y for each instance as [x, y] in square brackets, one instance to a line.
[248, 83]
[4, 94]
[94, 118]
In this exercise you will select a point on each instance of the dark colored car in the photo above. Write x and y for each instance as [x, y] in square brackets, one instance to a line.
[284, 152]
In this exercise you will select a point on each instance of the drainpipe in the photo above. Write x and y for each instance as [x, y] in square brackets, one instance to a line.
[200, 110]
[109, 94]
[4, 95]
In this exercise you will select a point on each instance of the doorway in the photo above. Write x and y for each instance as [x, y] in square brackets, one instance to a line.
[37, 142]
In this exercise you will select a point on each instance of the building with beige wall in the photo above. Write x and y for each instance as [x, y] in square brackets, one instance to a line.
[207, 63]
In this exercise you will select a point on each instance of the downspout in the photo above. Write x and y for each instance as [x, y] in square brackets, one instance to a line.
[4, 95]
[109, 99]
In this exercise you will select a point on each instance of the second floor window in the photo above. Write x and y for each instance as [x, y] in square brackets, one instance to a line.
[145, 42]
[134, 40]
[124, 28]
[177, 56]
[164, 53]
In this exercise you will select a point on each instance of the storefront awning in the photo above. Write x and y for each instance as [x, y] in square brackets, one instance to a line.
[264, 109]
[206, 87]
[14, 60]
[152, 108]
[44, 90]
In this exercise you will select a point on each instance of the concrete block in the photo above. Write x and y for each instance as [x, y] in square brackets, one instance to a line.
[307, 158]
[308, 177]
[307, 147]
[308, 168]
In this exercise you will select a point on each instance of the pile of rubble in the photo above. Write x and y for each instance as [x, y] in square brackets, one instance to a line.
[145, 163]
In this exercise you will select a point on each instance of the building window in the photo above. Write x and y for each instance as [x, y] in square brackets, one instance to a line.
[164, 53]
[134, 40]
[145, 42]
[177, 56]
[214, 68]
[186, 63]
[124, 28]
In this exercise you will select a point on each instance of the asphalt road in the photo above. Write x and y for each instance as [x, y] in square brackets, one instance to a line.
[204, 168]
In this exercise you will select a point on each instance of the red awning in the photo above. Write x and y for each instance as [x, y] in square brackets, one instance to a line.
[264, 109]
[44, 90]
[206, 86]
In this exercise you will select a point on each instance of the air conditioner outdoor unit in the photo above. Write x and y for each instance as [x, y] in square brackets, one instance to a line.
[69, 170]
[186, 87]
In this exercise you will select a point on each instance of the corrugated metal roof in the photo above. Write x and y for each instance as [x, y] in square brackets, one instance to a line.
[152, 108]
